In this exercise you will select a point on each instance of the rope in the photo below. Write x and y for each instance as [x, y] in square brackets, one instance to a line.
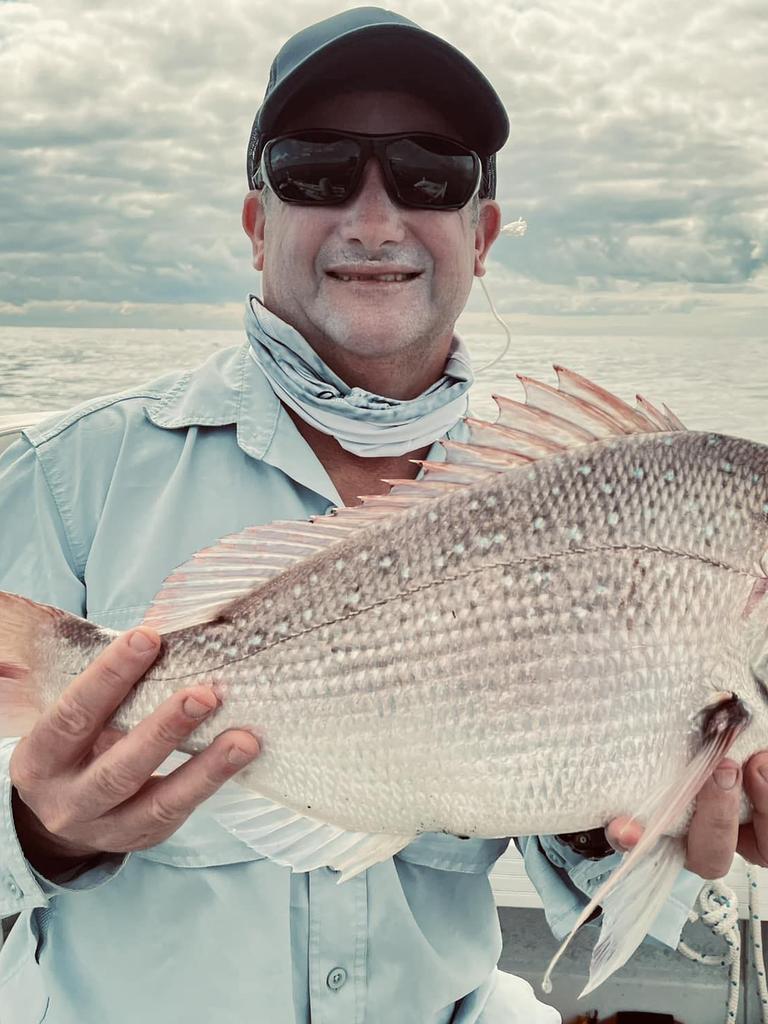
[755, 928]
[719, 911]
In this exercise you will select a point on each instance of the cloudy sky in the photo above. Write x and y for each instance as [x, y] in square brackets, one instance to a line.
[638, 157]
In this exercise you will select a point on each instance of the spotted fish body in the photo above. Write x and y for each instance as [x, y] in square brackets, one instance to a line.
[523, 647]
[516, 657]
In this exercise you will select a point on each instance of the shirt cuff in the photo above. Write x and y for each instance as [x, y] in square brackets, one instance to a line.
[80, 878]
[23, 887]
[19, 889]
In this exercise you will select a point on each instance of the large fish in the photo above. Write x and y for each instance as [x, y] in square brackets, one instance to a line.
[557, 626]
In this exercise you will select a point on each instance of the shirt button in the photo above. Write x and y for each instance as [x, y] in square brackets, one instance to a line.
[14, 888]
[336, 978]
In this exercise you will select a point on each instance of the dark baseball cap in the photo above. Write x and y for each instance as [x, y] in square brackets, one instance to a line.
[370, 47]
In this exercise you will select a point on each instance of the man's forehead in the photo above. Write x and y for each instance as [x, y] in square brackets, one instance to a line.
[366, 110]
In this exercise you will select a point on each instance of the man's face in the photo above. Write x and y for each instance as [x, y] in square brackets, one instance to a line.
[295, 247]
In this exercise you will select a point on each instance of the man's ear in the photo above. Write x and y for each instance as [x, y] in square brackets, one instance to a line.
[253, 224]
[487, 231]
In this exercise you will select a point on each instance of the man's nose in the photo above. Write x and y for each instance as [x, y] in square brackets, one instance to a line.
[371, 216]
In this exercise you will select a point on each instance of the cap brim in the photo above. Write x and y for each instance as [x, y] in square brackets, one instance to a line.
[397, 57]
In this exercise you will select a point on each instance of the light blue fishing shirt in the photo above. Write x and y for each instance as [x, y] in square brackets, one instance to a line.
[97, 507]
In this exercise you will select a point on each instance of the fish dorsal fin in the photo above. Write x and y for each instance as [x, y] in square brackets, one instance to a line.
[629, 420]
[551, 420]
[511, 440]
[654, 415]
[199, 589]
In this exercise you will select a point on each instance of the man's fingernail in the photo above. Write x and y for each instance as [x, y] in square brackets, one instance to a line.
[762, 771]
[726, 777]
[240, 757]
[619, 841]
[195, 708]
[141, 642]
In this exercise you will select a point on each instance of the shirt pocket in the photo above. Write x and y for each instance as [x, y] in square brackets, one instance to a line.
[23, 997]
[450, 853]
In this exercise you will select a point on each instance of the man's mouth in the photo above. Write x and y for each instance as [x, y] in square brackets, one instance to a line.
[375, 278]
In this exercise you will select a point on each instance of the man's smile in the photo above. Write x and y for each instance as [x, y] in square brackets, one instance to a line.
[388, 281]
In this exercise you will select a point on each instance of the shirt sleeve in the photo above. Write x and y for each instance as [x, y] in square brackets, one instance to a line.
[36, 561]
[36, 558]
[566, 882]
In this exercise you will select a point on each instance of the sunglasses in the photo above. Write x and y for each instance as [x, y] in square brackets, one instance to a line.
[318, 167]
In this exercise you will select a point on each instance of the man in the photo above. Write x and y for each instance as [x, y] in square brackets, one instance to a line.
[135, 903]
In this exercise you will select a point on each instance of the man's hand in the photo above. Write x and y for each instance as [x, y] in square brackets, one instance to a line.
[715, 834]
[82, 788]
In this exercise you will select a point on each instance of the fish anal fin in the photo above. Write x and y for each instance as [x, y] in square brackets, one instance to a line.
[299, 841]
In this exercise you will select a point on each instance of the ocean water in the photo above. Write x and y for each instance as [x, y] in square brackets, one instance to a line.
[711, 384]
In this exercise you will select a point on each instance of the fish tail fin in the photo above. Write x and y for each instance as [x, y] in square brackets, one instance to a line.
[634, 894]
[26, 630]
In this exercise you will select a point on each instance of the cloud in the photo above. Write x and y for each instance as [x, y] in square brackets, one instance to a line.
[638, 152]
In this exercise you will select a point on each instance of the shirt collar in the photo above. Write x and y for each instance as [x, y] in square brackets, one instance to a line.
[230, 388]
[227, 389]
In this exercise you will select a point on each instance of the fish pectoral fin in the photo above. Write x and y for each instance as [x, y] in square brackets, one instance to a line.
[299, 841]
[630, 901]
[632, 906]
[634, 894]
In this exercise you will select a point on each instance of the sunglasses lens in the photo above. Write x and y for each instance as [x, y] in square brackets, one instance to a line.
[432, 172]
[318, 167]
[312, 169]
